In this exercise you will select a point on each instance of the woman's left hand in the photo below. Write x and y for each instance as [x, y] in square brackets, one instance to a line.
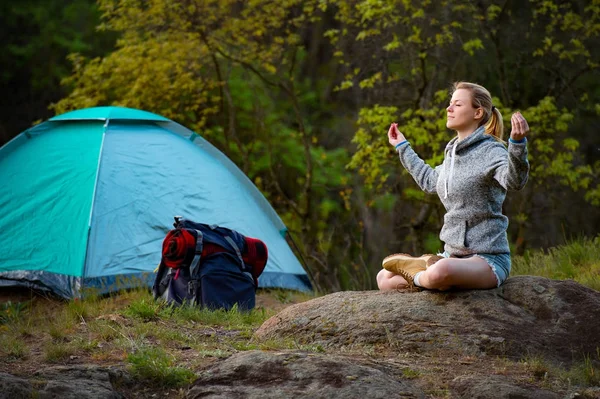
[520, 128]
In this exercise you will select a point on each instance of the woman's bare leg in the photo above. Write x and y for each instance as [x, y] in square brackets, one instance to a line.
[467, 273]
[388, 281]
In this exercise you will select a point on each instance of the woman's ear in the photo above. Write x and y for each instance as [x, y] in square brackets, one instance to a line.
[479, 113]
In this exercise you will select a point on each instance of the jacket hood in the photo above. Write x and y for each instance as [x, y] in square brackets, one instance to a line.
[453, 146]
[475, 137]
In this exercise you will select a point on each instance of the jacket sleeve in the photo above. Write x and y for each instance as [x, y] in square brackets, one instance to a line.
[512, 171]
[425, 176]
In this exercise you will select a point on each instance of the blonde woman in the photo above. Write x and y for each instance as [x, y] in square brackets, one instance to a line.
[477, 171]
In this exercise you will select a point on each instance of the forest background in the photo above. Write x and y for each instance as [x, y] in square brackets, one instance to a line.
[300, 94]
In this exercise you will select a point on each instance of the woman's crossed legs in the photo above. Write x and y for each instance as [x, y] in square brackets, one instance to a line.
[446, 273]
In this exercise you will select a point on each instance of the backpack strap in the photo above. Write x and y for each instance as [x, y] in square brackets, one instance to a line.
[242, 263]
[196, 261]
[238, 252]
[194, 282]
[231, 242]
[235, 248]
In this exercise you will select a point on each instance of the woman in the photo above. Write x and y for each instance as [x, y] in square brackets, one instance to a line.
[472, 182]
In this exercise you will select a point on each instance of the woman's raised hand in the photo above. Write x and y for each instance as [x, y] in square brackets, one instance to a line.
[520, 128]
[394, 135]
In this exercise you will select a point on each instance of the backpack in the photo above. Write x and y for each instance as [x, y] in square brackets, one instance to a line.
[209, 266]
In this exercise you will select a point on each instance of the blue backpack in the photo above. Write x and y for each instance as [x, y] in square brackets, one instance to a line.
[209, 266]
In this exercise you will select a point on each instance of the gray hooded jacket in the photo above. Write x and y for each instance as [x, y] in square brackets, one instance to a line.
[472, 183]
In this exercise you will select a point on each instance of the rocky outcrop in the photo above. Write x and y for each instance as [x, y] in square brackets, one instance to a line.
[74, 382]
[264, 375]
[527, 316]
[496, 387]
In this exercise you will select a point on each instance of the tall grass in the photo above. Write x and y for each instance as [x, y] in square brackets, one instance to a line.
[582, 373]
[154, 366]
[577, 260]
[10, 312]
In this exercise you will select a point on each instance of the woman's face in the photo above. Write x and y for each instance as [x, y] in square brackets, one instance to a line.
[460, 113]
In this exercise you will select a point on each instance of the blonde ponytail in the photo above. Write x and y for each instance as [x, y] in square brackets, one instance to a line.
[495, 126]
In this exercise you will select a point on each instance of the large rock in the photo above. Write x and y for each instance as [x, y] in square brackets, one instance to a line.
[264, 375]
[71, 382]
[14, 387]
[496, 387]
[535, 316]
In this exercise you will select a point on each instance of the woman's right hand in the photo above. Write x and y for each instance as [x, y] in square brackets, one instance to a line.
[394, 135]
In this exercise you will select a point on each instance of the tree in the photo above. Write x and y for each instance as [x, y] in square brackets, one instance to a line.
[417, 48]
[37, 37]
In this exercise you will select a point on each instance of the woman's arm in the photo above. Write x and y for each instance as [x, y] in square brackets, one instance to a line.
[425, 176]
[512, 173]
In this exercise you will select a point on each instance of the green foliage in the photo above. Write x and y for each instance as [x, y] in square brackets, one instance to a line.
[154, 366]
[432, 243]
[58, 352]
[12, 347]
[60, 328]
[232, 319]
[410, 374]
[81, 309]
[371, 144]
[583, 373]
[578, 260]
[473, 45]
[145, 308]
[587, 372]
[117, 334]
[568, 33]
[553, 154]
[10, 312]
[42, 34]
[37, 36]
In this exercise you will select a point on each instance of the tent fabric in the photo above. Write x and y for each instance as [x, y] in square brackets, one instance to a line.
[88, 197]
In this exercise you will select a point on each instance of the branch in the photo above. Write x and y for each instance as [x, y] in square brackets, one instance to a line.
[573, 79]
[224, 92]
[278, 188]
[290, 91]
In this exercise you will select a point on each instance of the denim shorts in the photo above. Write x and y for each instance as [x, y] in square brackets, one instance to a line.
[500, 264]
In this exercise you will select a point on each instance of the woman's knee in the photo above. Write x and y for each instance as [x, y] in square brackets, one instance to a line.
[387, 281]
[439, 273]
[382, 276]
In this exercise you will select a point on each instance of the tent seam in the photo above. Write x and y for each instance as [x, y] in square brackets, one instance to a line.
[89, 227]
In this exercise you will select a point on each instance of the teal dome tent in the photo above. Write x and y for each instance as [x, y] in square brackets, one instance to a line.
[88, 196]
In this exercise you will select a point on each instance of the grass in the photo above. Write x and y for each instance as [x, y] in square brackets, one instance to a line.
[14, 348]
[155, 366]
[58, 352]
[409, 373]
[578, 260]
[131, 328]
[9, 311]
[582, 373]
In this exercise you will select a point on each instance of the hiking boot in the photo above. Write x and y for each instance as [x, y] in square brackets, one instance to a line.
[408, 266]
